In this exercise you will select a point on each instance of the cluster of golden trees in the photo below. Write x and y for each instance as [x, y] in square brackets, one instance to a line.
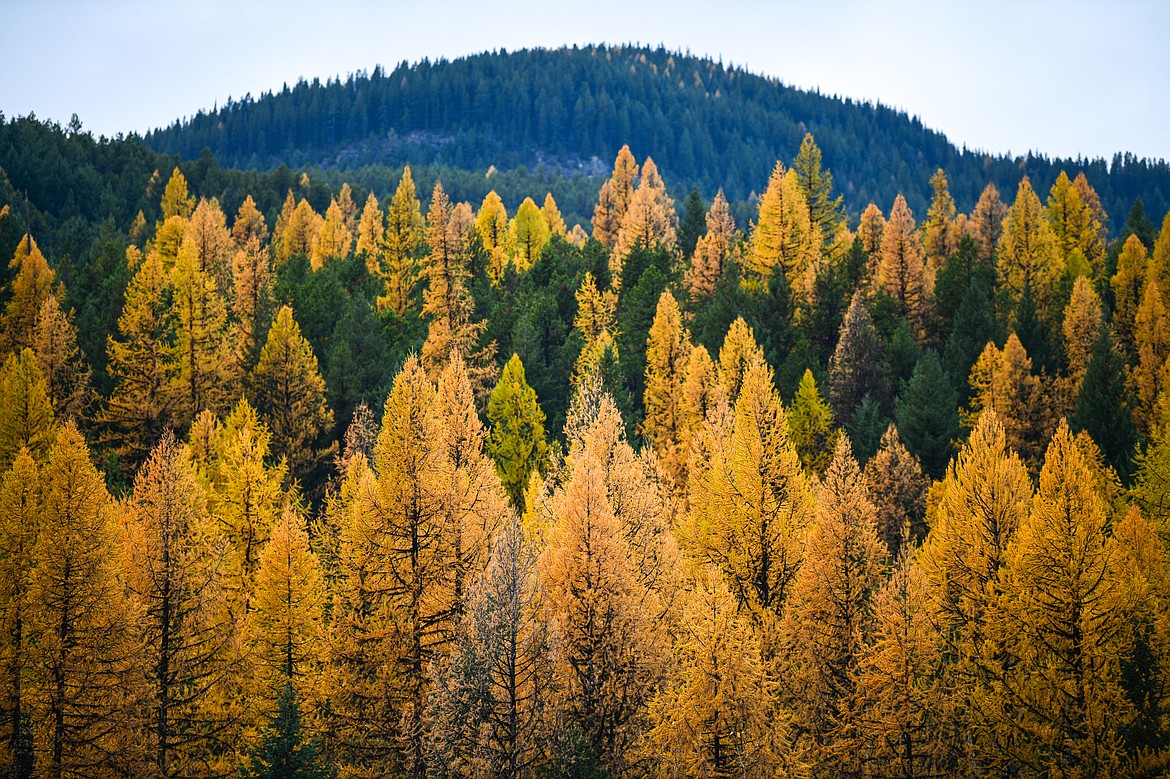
[737, 596]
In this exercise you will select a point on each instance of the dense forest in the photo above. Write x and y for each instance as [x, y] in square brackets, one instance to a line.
[564, 111]
[309, 481]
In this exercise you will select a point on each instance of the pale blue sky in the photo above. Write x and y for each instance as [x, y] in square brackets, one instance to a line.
[1065, 78]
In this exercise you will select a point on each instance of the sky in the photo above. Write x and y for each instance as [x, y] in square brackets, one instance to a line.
[1069, 78]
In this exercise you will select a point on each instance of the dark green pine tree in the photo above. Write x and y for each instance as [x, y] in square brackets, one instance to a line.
[1033, 333]
[284, 753]
[927, 415]
[957, 278]
[1103, 407]
[694, 222]
[866, 428]
[1140, 225]
[974, 325]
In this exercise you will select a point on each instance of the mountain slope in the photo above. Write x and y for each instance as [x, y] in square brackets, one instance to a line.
[570, 109]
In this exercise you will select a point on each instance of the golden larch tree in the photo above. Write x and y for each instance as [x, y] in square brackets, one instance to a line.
[287, 389]
[552, 216]
[89, 689]
[371, 234]
[334, 240]
[61, 361]
[715, 715]
[141, 362]
[831, 608]
[26, 410]
[1003, 380]
[1081, 328]
[737, 354]
[1055, 702]
[902, 271]
[897, 488]
[1152, 342]
[207, 237]
[1128, 283]
[750, 503]
[491, 224]
[190, 638]
[403, 239]
[940, 236]
[783, 237]
[987, 223]
[650, 220]
[286, 626]
[20, 520]
[528, 233]
[1027, 258]
[249, 225]
[31, 285]
[668, 349]
[713, 250]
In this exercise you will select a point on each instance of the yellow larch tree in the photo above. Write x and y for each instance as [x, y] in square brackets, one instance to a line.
[737, 354]
[349, 214]
[334, 240]
[299, 233]
[1003, 380]
[205, 371]
[395, 612]
[246, 494]
[750, 502]
[176, 199]
[61, 361]
[1152, 342]
[88, 686]
[286, 624]
[491, 224]
[552, 216]
[783, 237]
[141, 362]
[447, 304]
[403, 238]
[477, 506]
[287, 389]
[251, 301]
[701, 392]
[902, 271]
[1160, 260]
[610, 647]
[190, 638]
[898, 681]
[614, 199]
[668, 349]
[26, 409]
[31, 285]
[987, 223]
[830, 609]
[650, 220]
[595, 309]
[1055, 703]
[249, 225]
[715, 715]
[713, 250]
[870, 230]
[207, 237]
[371, 234]
[940, 235]
[1027, 257]
[1128, 283]
[1081, 328]
[1076, 226]
[20, 519]
[979, 506]
[528, 233]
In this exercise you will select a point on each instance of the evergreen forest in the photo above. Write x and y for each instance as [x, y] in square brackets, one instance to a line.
[304, 475]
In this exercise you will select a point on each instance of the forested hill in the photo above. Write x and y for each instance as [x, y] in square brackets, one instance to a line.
[570, 109]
